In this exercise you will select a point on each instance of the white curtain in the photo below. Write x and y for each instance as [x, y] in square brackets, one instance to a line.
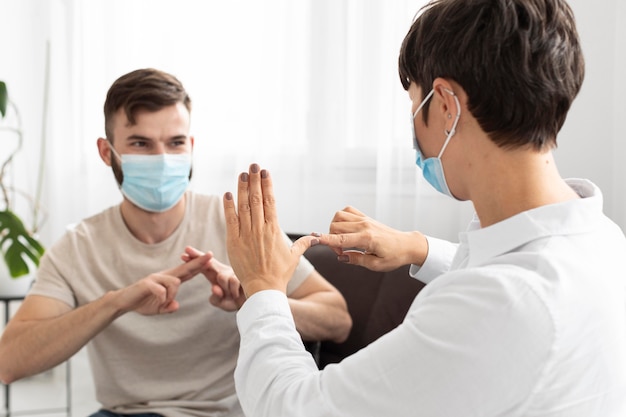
[307, 88]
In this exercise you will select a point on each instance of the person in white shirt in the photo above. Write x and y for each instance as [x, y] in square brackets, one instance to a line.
[526, 316]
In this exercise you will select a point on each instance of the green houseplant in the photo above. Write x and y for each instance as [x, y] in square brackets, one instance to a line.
[19, 246]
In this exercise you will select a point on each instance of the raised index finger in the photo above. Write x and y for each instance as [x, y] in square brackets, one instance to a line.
[230, 214]
[243, 202]
[256, 197]
[269, 202]
[189, 269]
[342, 240]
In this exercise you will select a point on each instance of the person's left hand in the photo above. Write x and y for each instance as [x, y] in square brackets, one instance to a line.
[256, 245]
[226, 291]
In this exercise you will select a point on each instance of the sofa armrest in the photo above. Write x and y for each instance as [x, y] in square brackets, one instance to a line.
[377, 301]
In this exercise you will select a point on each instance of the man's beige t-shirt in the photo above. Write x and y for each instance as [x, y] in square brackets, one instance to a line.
[178, 364]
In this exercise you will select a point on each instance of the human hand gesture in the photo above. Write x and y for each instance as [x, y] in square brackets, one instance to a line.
[257, 249]
[360, 240]
[226, 291]
[156, 293]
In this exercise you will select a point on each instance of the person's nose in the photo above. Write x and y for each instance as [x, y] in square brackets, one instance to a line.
[160, 148]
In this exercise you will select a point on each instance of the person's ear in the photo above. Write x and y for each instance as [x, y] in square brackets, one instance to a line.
[449, 105]
[104, 149]
[444, 94]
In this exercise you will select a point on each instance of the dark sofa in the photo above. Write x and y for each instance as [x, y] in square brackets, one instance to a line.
[377, 301]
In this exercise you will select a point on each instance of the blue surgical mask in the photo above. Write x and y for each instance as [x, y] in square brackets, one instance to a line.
[155, 183]
[432, 169]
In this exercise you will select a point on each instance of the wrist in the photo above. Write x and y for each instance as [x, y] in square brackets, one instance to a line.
[256, 285]
[417, 245]
[111, 301]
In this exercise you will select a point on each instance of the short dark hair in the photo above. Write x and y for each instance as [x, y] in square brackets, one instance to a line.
[142, 89]
[519, 61]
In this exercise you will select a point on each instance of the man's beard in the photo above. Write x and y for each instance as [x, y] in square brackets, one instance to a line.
[117, 170]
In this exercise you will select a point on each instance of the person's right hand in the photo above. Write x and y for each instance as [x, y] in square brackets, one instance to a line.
[226, 291]
[360, 240]
[156, 293]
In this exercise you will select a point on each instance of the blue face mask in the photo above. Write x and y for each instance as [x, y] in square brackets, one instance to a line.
[432, 169]
[155, 183]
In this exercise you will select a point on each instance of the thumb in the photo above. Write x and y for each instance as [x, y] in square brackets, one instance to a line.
[302, 244]
[171, 307]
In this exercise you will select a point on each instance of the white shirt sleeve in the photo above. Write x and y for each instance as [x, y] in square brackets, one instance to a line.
[440, 255]
[455, 352]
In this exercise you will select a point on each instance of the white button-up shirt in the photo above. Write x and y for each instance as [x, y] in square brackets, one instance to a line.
[526, 317]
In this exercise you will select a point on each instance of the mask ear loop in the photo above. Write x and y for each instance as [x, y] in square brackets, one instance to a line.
[452, 131]
[414, 115]
[113, 150]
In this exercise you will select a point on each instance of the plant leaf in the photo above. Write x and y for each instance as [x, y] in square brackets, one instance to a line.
[17, 243]
[4, 98]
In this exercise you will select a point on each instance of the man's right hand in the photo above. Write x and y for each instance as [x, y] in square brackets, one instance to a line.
[156, 293]
[226, 291]
[45, 331]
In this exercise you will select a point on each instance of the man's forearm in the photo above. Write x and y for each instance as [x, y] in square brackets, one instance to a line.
[31, 346]
[321, 316]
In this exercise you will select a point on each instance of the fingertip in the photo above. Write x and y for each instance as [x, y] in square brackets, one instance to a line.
[171, 307]
[217, 291]
[228, 196]
[214, 300]
[305, 242]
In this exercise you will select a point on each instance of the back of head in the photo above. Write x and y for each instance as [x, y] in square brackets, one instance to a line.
[519, 61]
[143, 89]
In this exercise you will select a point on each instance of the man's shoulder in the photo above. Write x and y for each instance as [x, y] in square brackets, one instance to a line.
[104, 219]
[205, 206]
[201, 199]
[92, 230]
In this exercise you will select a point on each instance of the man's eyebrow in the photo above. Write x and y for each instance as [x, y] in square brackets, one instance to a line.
[140, 137]
[132, 137]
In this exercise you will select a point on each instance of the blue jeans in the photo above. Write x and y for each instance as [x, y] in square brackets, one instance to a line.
[105, 413]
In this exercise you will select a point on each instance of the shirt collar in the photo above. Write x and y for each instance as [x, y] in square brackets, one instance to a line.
[569, 217]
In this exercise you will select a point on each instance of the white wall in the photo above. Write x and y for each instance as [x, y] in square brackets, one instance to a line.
[26, 28]
[590, 144]
[21, 61]
[616, 155]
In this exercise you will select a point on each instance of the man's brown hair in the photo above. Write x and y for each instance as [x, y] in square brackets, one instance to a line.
[143, 89]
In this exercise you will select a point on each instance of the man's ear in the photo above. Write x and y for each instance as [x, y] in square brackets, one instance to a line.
[104, 149]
